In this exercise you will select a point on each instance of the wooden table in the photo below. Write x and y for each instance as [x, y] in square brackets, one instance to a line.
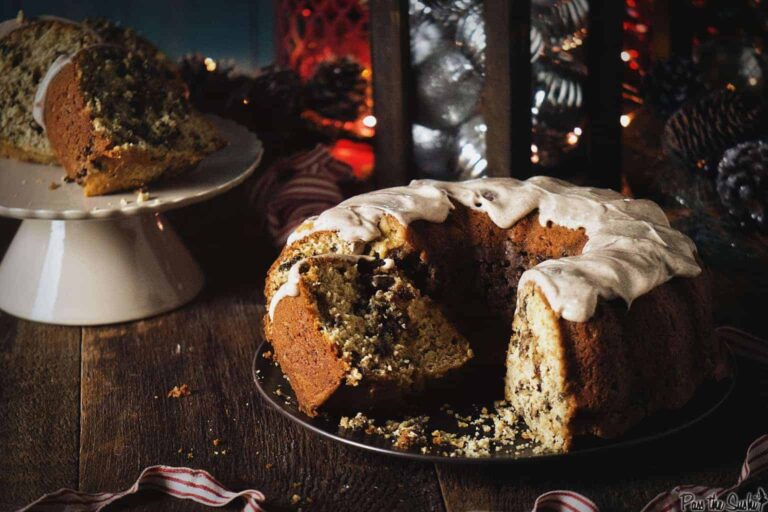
[88, 408]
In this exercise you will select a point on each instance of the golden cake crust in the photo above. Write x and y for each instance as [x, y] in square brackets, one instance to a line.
[311, 362]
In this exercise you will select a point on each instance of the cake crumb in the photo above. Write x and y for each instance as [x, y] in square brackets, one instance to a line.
[484, 432]
[268, 465]
[123, 202]
[216, 442]
[354, 377]
[179, 391]
[142, 196]
[295, 499]
[53, 185]
[267, 354]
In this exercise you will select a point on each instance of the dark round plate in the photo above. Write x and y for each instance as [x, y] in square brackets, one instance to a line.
[276, 390]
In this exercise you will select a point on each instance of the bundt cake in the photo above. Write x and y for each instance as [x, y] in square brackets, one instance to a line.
[606, 310]
[118, 120]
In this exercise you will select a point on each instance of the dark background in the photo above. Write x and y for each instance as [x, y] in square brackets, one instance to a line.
[221, 29]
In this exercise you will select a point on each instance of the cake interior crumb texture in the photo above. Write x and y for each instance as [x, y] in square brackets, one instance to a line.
[383, 330]
[25, 56]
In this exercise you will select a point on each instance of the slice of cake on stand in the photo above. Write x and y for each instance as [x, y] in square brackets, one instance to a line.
[117, 120]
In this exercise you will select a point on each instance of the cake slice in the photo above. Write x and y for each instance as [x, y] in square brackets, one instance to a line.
[118, 120]
[27, 50]
[359, 330]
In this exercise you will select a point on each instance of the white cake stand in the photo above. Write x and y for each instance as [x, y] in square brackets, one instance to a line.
[80, 260]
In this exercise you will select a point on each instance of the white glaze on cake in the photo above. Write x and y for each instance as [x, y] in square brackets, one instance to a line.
[631, 248]
[38, 107]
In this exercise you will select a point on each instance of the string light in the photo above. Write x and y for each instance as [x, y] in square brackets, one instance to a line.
[369, 121]
[625, 56]
[625, 120]
[534, 154]
[210, 64]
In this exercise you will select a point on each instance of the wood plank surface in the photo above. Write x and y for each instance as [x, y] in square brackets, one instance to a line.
[39, 404]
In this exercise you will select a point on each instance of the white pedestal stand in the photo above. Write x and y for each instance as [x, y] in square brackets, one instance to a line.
[87, 261]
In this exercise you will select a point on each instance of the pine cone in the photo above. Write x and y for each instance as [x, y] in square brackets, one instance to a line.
[337, 89]
[271, 100]
[742, 183]
[699, 132]
[670, 83]
[210, 83]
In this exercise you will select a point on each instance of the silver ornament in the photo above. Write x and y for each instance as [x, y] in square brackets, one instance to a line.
[537, 44]
[427, 36]
[470, 36]
[447, 89]
[449, 12]
[558, 96]
[470, 149]
[560, 91]
[558, 112]
[433, 152]
[566, 21]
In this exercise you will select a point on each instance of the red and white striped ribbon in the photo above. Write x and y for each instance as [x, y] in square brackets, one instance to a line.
[298, 187]
[183, 483]
[756, 463]
[565, 501]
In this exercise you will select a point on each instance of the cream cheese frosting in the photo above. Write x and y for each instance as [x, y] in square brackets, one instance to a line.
[631, 248]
